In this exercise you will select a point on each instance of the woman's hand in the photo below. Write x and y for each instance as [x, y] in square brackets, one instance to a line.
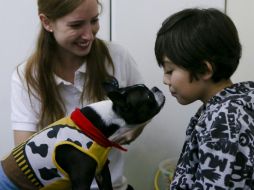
[127, 135]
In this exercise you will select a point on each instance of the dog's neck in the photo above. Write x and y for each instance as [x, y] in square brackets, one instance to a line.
[109, 116]
[103, 117]
[91, 131]
[104, 110]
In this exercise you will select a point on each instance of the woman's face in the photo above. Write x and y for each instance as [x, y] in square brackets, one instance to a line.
[76, 31]
[180, 85]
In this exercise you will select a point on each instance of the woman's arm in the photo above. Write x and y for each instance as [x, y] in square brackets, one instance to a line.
[21, 136]
[24, 113]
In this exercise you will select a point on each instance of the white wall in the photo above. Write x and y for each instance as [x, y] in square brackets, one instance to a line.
[135, 24]
[19, 28]
[242, 14]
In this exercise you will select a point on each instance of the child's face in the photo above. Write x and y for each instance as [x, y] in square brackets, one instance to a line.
[180, 85]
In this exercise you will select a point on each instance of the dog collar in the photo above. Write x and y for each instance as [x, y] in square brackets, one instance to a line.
[91, 131]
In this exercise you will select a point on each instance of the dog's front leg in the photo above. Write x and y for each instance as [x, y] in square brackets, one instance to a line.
[79, 166]
[104, 178]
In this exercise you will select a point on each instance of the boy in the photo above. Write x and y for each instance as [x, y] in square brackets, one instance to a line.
[199, 50]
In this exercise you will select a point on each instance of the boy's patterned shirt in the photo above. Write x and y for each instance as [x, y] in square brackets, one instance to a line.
[218, 152]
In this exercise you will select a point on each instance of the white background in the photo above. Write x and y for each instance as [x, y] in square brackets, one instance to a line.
[134, 26]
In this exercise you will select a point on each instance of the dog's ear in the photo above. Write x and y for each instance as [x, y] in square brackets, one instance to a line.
[117, 98]
[110, 85]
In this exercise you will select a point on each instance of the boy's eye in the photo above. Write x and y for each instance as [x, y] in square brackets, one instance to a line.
[94, 21]
[169, 72]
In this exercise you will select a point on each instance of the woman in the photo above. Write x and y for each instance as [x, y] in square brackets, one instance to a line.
[66, 71]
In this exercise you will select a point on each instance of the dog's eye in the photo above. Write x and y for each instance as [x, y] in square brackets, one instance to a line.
[150, 96]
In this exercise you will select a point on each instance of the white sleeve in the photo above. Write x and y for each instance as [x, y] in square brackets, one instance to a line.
[132, 74]
[126, 69]
[24, 115]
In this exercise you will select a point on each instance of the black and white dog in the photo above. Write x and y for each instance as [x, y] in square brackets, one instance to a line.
[69, 153]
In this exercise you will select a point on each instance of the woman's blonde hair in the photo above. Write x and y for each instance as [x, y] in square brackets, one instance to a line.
[39, 71]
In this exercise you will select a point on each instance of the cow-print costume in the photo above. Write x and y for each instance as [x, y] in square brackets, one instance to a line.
[218, 152]
[36, 156]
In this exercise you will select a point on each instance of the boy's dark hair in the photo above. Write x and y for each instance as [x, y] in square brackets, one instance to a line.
[192, 36]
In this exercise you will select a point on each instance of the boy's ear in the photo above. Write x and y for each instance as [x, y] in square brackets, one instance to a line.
[209, 71]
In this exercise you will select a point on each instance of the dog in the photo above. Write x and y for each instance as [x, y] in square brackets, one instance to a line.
[69, 153]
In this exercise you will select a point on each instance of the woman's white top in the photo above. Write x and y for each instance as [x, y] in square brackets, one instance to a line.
[25, 113]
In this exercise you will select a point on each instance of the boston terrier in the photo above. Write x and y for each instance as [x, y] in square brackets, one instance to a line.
[69, 153]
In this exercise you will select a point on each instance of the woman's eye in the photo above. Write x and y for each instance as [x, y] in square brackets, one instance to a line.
[76, 25]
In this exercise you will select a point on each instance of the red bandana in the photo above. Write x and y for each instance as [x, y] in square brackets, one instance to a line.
[91, 131]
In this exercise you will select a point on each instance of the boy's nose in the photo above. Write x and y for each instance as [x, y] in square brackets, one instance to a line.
[166, 81]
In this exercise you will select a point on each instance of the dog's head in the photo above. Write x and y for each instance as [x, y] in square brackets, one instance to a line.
[135, 104]
[127, 107]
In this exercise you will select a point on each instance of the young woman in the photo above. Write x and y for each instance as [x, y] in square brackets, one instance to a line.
[66, 71]
[199, 50]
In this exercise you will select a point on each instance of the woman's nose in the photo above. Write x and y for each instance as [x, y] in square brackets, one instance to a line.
[87, 32]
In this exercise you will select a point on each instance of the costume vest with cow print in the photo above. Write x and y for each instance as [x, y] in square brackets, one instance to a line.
[36, 156]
